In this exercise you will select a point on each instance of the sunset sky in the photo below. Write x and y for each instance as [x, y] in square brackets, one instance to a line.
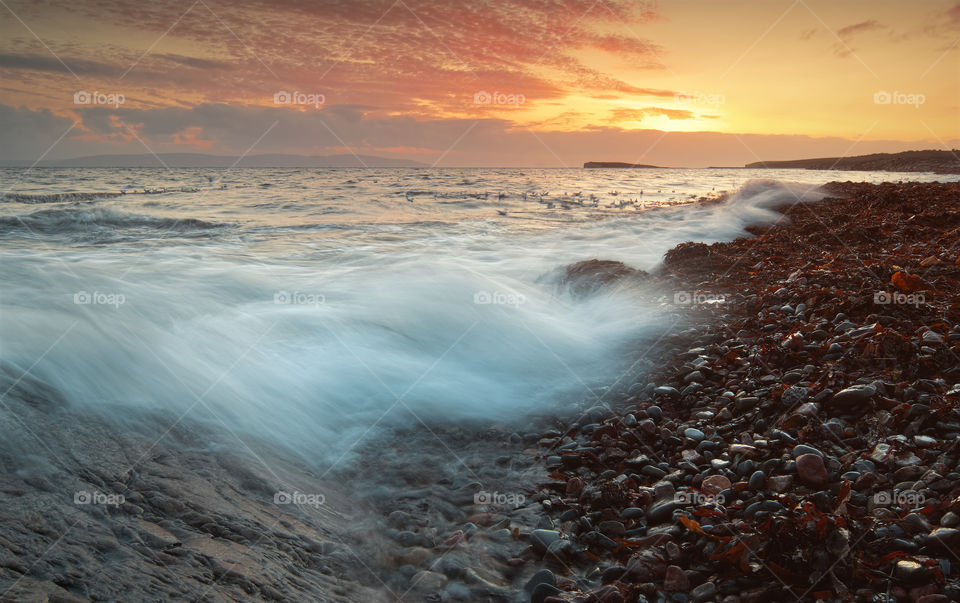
[548, 83]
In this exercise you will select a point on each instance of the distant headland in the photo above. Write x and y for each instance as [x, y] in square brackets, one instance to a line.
[940, 162]
[617, 164]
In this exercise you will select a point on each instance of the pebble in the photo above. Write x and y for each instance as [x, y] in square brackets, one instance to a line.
[704, 592]
[744, 449]
[542, 592]
[666, 390]
[675, 580]
[544, 576]
[715, 484]
[793, 395]
[427, 580]
[811, 470]
[542, 539]
[910, 571]
[800, 449]
[694, 434]
[757, 481]
[855, 395]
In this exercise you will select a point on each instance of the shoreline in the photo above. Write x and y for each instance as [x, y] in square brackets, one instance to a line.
[562, 508]
[801, 443]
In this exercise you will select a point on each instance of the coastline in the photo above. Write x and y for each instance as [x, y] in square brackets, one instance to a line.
[588, 507]
[799, 442]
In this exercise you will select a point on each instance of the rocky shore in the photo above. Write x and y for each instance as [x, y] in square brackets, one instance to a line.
[798, 441]
[794, 437]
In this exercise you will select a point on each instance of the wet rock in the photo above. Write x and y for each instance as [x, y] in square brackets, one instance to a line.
[542, 539]
[715, 484]
[542, 592]
[665, 390]
[910, 571]
[662, 511]
[853, 397]
[947, 537]
[543, 576]
[811, 470]
[757, 481]
[427, 580]
[675, 580]
[705, 592]
[793, 396]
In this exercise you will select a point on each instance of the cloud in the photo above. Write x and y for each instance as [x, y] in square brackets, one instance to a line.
[842, 47]
[402, 56]
[70, 65]
[621, 114]
[232, 130]
[858, 28]
[28, 134]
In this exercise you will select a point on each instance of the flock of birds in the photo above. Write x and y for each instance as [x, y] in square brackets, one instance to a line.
[566, 201]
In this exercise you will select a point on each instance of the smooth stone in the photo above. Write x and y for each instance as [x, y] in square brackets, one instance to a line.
[811, 470]
[655, 413]
[544, 576]
[715, 484]
[542, 539]
[666, 390]
[793, 395]
[694, 434]
[427, 580]
[631, 513]
[910, 571]
[854, 395]
[757, 481]
[743, 449]
[662, 511]
[675, 580]
[943, 536]
[704, 592]
[542, 592]
[800, 449]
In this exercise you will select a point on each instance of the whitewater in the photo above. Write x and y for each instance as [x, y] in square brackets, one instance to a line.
[316, 308]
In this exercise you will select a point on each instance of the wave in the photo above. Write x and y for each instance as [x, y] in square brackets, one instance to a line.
[55, 197]
[89, 221]
[319, 356]
[38, 198]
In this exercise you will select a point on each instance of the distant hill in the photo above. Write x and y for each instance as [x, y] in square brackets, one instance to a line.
[940, 162]
[181, 160]
[616, 164]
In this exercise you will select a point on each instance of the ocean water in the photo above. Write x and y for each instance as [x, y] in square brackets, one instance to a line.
[315, 308]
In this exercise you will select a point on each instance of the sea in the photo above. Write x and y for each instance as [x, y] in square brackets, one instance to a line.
[318, 308]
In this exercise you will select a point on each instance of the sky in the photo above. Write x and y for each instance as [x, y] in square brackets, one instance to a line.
[531, 83]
